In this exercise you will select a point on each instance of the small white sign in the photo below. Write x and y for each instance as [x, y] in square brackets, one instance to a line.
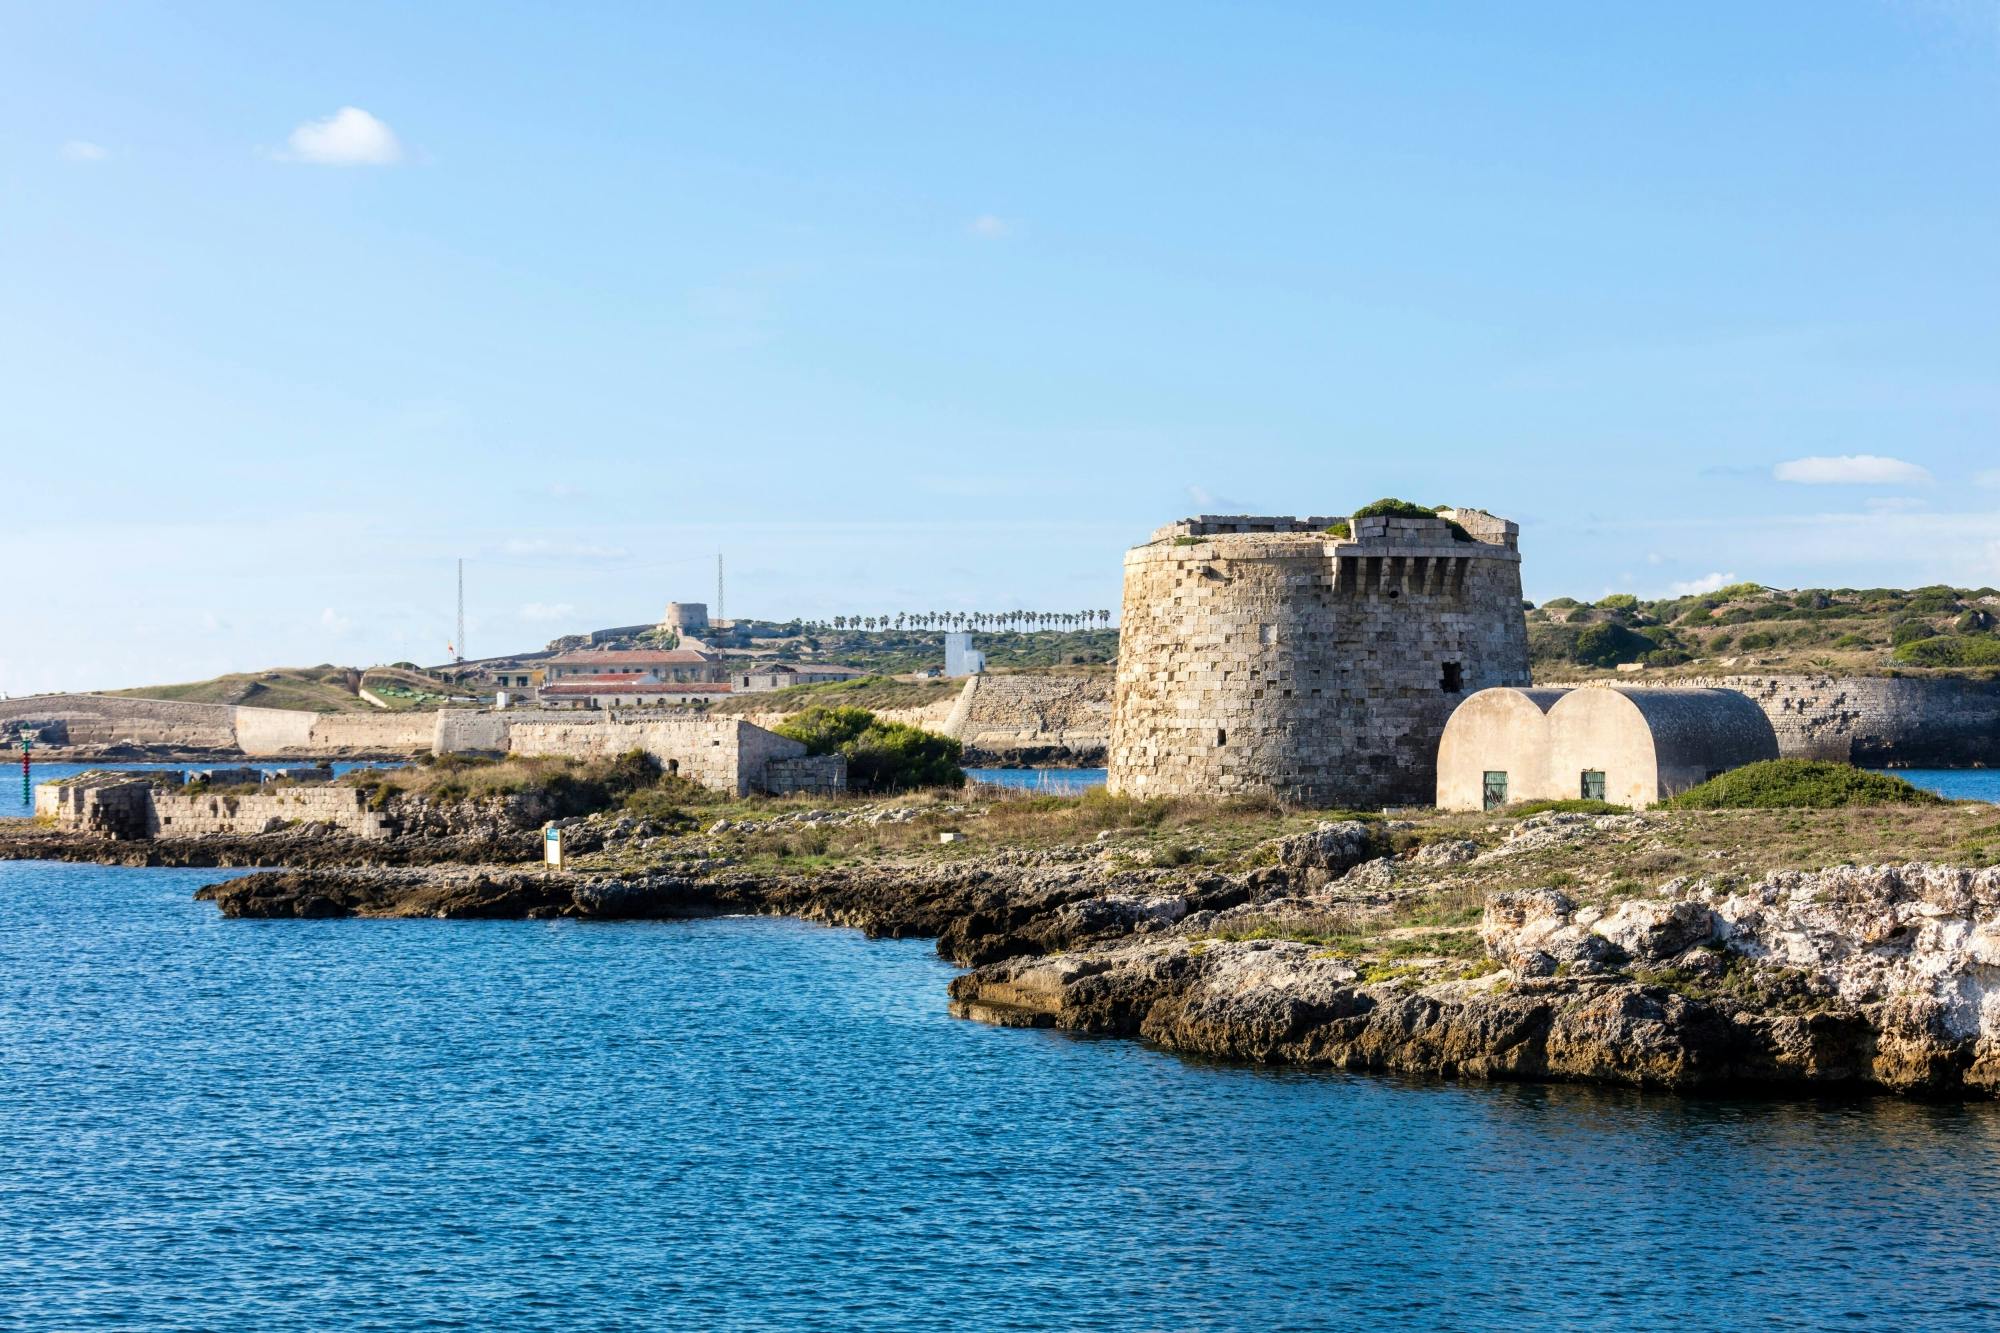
[552, 846]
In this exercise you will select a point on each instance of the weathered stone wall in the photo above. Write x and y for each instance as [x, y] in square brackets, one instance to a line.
[396, 733]
[1314, 668]
[100, 719]
[726, 753]
[458, 730]
[1043, 717]
[110, 805]
[1876, 720]
[813, 774]
[290, 731]
[183, 815]
[104, 719]
[273, 730]
[138, 807]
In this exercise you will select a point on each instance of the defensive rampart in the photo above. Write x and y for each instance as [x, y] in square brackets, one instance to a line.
[129, 806]
[109, 719]
[1033, 718]
[726, 753]
[1906, 721]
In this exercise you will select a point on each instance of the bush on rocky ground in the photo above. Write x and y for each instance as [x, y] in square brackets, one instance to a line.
[567, 786]
[881, 756]
[1800, 784]
[1573, 806]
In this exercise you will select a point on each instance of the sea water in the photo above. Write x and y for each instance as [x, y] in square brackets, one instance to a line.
[1958, 784]
[752, 1123]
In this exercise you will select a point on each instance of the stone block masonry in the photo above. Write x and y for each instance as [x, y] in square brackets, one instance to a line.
[1042, 715]
[725, 753]
[1908, 722]
[122, 805]
[1267, 655]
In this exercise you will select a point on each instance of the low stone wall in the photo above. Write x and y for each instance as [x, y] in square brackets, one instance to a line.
[813, 774]
[181, 815]
[725, 753]
[136, 806]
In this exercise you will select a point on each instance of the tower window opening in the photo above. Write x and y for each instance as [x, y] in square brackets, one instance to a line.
[1221, 736]
[1453, 679]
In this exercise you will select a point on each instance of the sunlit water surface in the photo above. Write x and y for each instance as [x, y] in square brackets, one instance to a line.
[738, 1124]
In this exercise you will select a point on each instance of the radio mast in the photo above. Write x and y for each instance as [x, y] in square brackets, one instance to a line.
[720, 614]
[458, 644]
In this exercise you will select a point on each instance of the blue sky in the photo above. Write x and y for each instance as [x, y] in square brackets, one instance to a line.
[928, 307]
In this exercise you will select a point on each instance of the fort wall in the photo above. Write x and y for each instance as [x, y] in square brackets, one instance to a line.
[109, 719]
[148, 806]
[1906, 721]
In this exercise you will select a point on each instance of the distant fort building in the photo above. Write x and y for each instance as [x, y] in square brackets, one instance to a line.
[687, 617]
[1309, 658]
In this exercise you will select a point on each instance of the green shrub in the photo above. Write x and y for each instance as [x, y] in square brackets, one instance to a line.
[1757, 640]
[1573, 806]
[667, 804]
[1853, 641]
[1946, 651]
[1976, 621]
[1561, 603]
[1390, 507]
[826, 728]
[1934, 601]
[1807, 784]
[1609, 644]
[1343, 529]
[1910, 631]
[1619, 601]
[1739, 592]
[881, 756]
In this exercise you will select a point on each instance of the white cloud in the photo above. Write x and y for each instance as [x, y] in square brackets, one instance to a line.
[547, 611]
[1851, 470]
[350, 137]
[335, 622]
[1990, 479]
[990, 227]
[1706, 583]
[1893, 504]
[82, 150]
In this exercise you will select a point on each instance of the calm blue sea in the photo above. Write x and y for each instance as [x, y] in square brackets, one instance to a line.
[750, 1124]
[1056, 781]
[13, 804]
[1960, 784]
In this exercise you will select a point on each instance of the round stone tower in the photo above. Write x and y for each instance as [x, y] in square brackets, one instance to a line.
[686, 617]
[1269, 655]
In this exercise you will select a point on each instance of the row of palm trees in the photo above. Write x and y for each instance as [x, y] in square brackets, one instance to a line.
[979, 620]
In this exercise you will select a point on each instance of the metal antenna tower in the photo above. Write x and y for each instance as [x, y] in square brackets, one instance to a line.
[720, 614]
[458, 644]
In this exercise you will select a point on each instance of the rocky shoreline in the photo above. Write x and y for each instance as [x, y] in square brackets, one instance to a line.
[1878, 977]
